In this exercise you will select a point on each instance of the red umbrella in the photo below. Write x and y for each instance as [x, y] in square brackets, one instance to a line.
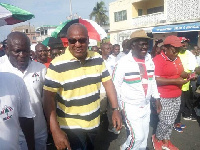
[95, 31]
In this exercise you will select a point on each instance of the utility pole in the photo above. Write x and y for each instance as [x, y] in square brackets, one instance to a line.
[70, 7]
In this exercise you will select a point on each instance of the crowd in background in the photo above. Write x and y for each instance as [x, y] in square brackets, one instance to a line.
[166, 76]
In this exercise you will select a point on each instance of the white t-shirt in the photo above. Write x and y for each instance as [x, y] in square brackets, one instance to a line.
[120, 55]
[110, 65]
[3, 59]
[14, 103]
[34, 77]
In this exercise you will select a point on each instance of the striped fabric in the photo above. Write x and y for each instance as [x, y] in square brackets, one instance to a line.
[77, 86]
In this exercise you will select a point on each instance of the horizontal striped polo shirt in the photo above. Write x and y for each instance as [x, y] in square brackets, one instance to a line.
[77, 86]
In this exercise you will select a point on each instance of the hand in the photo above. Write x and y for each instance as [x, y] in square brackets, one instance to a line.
[192, 77]
[117, 120]
[158, 106]
[60, 140]
[181, 81]
[185, 75]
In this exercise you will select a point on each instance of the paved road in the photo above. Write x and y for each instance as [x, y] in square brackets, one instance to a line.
[188, 140]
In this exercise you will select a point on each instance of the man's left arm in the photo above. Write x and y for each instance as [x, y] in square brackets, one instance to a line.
[112, 96]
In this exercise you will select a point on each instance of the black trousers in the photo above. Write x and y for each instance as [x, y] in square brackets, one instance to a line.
[186, 106]
[81, 139]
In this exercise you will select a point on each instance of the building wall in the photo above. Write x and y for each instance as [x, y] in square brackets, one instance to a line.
[29, 31]
[116, 7]
[144, 5]
[175, 11]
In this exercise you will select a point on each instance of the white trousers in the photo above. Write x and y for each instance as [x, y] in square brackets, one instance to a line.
[137, 126]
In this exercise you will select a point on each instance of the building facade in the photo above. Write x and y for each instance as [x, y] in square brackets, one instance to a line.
[160, 18]
[29, 31]
[45, 31]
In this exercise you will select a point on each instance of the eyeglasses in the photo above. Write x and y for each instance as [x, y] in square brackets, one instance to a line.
[81, 40]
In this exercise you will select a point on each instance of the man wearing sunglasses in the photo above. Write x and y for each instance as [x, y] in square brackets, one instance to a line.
[75, 78]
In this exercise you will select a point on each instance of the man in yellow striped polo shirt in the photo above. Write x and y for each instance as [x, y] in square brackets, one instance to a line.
[73, 82]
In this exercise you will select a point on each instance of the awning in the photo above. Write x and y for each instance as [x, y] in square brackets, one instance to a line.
[177, 28]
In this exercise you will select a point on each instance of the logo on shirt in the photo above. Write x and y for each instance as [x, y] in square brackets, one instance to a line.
[6, 113]
[35, 77]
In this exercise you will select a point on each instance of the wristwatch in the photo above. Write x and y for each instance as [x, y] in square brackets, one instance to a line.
[116, 109]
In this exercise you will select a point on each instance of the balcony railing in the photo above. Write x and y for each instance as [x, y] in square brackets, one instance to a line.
[149, 20]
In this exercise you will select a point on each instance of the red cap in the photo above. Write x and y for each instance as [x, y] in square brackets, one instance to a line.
[183, 39]
[172, 40]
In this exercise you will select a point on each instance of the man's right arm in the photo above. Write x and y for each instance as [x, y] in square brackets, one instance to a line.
[59, 136]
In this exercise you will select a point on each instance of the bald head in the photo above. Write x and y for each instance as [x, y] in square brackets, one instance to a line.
[40, 45]
[106, 51]
[16, 37]
[18, 48]
[77, 26]
[41, 52]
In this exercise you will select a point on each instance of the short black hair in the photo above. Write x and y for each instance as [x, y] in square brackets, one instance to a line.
[116, 45]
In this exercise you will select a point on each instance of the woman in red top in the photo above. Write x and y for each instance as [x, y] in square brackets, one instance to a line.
[170, 76]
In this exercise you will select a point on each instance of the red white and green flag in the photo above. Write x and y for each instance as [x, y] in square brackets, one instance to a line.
[10, 14]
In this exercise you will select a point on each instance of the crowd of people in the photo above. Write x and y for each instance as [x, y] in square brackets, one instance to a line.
[60, 92]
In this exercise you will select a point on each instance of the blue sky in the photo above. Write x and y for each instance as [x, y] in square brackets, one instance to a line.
[50, 12]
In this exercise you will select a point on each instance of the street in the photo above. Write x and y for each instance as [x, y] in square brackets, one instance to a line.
[188, 140]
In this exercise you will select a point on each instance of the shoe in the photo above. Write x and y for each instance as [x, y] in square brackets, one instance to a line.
[113, 130]
[182, 126]
[193, 119]
[179, 125]
[187, 118]
[178, 129]
[157, 145]
[169, 146]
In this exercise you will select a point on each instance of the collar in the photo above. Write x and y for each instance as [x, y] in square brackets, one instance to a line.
[167, 58]
[16, 69]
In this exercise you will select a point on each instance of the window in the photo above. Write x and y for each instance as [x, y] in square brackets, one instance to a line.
[139, 12]
[155, 10]
[26, 30]
[120, 15]
[45, 32]
[34, 38]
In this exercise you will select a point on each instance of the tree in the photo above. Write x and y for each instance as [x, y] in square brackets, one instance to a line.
[99, 13]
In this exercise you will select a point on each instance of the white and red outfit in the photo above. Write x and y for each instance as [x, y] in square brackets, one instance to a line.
[134, 89]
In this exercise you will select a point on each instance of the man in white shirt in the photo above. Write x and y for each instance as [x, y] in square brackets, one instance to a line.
[15, 111]
[115, 52]
[125, 51]
[33, 74]
[135, 83]
[110, 64]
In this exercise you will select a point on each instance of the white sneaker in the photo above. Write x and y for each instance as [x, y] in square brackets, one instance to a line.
[114, 130]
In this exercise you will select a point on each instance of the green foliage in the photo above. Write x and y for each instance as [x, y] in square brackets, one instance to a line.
[99, 13]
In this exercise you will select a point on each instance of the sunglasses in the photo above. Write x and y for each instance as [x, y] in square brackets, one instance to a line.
[81, 40]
